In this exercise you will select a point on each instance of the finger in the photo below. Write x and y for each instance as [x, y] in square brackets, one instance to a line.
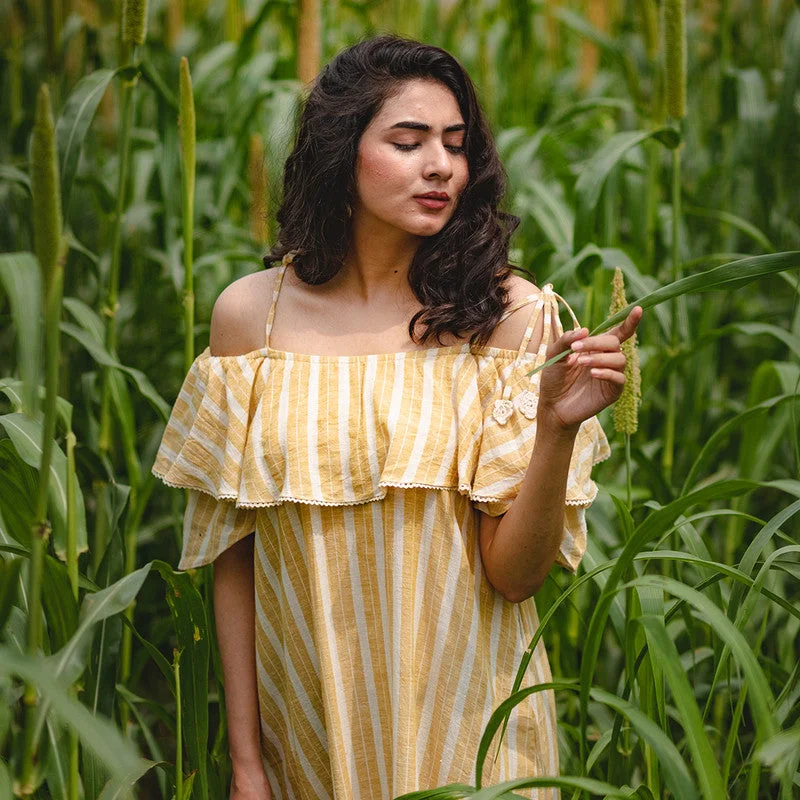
[628, 326]
[610, 375]
[608, 342]
[565, 340]
[601, 360]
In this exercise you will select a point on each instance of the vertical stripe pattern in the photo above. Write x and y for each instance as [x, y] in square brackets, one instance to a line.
[381, 647]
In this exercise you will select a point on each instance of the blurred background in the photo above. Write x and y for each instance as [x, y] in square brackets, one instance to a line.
[654, 136]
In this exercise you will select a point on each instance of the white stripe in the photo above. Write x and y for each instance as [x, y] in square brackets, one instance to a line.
[378, 537]
[275, 696]
[283, 417]
[273, 739]
[397, 395]
[320, 562]
[426, 405]
[467, 666]
[230, 397]
[426, 535]
[285, 586]
[366, 654]
[185, 465]
[398, 547]
[452, 439]
[258, 436]
[369, 422]
[312, 429]
[302, 695]
[344, 428]
[442, 634]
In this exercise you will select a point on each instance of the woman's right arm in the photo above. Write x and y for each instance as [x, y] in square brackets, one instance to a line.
[234, 612]
[237, 326]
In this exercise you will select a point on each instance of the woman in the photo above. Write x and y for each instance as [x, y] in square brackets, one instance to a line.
[407, 499]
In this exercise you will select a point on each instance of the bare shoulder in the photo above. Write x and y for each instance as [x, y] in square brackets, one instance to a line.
[509, 333]
[240, 314]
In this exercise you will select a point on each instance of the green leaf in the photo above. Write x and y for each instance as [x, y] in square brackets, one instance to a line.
[102, 357]
[730, 276]
[21, 279]
[590, 183]
[191, 627]
[69, 662]
[97, 734]
[9, 585]
[60, 607]
[75, 119]
[453, 791]
[564, 782]
[26, 434]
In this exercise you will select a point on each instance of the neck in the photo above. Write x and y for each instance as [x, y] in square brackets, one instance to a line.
[377, 262]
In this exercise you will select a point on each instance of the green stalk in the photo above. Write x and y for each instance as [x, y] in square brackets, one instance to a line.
[15, 68]
[73, 776]
[48, 242]
[675, 74]
[133, 25]
[188, 138]
[628, 469]
[72, 520]
[133, 34]
[668, 456]
[176, 664]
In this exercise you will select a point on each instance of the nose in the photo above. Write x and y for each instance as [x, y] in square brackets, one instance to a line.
[438, 163]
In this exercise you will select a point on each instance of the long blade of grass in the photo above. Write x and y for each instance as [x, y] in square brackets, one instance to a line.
[75, 120]
[22, 283]
[729, 276]
[706, 767]
[594, 174]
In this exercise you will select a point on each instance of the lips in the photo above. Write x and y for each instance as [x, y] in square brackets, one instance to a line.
[433, 196]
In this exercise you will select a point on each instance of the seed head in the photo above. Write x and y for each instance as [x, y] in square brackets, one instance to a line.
[134, 22]
[626, 409]
[45, 187]
[675, 56]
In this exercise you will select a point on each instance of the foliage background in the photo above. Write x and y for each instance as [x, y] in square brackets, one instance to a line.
[561, 83]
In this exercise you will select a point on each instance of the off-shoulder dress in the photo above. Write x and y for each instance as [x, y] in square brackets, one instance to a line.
[381, 647]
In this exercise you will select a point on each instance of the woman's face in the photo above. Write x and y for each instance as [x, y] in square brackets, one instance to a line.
[412, 147]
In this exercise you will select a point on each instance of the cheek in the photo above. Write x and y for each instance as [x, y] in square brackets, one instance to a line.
[379, 168]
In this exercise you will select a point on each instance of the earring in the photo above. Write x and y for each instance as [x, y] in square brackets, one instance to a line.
[349, 209]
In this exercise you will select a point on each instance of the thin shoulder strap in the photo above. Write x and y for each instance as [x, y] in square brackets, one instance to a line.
[287, 259]
[551, 318]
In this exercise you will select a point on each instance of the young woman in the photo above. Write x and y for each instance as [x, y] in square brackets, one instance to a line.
[380, 484]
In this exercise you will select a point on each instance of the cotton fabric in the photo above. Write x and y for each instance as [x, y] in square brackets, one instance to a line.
[382, 649]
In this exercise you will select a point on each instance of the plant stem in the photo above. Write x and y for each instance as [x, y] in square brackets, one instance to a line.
[50, 251]
[176, 663]
[672, 383]
[628, 469]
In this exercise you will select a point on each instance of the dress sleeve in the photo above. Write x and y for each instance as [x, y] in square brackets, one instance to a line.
[509, 433]
[211, 526]
[202, 450]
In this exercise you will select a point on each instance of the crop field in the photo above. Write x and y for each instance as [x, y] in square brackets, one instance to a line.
[141, 165]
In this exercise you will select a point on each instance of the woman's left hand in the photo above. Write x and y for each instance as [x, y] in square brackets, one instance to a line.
[589, 379]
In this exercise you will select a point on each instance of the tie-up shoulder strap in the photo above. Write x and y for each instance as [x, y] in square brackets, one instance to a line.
[551, 318]
[546, 304]
[287, 259]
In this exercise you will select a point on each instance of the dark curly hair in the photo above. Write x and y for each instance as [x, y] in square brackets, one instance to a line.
[457, 274]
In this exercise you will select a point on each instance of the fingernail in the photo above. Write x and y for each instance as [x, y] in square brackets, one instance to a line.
[577, 345]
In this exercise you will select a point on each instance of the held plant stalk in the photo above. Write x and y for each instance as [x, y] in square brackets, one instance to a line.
[49, 245]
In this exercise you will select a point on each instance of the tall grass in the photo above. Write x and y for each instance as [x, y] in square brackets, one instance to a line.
[667, 147]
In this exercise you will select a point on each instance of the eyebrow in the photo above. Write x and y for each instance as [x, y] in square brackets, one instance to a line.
[421, 126]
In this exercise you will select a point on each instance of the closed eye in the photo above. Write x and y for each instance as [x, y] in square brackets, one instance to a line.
[451, 147]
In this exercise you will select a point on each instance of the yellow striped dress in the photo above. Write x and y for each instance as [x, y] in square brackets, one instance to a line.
[381, 647]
